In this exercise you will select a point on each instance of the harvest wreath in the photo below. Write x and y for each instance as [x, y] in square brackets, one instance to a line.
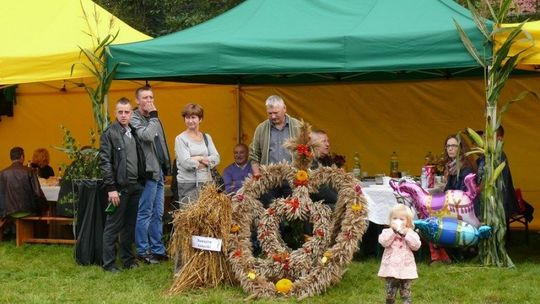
[322, 259]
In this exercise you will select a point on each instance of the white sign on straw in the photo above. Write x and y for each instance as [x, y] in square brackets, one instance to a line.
[205, 243]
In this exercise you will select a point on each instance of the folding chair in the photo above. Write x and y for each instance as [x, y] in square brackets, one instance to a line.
[519, 216]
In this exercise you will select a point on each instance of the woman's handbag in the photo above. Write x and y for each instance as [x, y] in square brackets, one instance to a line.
[218, 179]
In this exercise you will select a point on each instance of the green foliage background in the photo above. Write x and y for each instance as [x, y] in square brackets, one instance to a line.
[161, 17]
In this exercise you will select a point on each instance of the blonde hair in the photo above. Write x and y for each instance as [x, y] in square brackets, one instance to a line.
[400, 209]
[41, 157]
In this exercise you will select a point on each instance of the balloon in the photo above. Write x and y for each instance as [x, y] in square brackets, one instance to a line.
[453, 202]
[451, 232]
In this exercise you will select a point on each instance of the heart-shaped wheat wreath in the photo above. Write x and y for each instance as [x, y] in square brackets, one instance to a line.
[322, 259]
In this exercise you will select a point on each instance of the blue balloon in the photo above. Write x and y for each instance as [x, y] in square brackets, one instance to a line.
[451, 232]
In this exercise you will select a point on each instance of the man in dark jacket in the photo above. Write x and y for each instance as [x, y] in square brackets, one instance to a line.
[508, 192]
[20, 192]
[123, 167]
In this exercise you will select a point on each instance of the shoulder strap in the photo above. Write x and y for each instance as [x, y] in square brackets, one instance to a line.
[205, 140]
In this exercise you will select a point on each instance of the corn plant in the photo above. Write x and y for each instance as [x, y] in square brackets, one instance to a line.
[95, 63]
[497, 70]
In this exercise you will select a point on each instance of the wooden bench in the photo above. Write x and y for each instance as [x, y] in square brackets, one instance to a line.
[25, 230]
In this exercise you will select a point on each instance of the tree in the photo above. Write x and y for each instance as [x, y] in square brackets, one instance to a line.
[161, 17]
[518, 11]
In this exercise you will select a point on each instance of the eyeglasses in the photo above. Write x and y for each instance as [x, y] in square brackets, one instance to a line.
[452, 146]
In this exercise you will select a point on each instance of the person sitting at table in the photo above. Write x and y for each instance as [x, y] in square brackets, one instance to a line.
[457, 165]
[20, 192]
[323, 156]
[235, 174]
[40, 163]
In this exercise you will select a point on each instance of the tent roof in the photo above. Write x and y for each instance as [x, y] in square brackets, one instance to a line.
[531, 56]
[273, 41]
[41, 39]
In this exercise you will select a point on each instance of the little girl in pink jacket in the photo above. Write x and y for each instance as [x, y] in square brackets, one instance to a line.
[398, 265]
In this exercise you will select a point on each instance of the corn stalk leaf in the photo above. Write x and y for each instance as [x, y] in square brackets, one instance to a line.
[469, 45]
[479, 20]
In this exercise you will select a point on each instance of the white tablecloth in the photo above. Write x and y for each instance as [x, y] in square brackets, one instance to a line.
[380, 200]
[51, 192]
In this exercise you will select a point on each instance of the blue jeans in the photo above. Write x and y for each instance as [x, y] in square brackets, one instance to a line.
[149, 229]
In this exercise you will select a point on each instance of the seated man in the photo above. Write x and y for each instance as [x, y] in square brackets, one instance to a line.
[509, 193]
[20, 192]
[326, 193]
[235, 173]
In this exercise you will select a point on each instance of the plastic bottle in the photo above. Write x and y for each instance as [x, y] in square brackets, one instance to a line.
[423, 178]
[110, 208]
[357, 169]
[394, 165]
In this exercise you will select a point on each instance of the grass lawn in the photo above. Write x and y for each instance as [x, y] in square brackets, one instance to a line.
[48, 274]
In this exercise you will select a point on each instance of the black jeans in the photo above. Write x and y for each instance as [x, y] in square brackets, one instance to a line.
[121, 223]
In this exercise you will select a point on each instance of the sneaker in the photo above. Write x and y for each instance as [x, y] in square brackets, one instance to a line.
[147, 259]
[161, 257]
[112, 269]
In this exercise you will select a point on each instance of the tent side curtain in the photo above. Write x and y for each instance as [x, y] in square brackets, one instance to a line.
[310, 41]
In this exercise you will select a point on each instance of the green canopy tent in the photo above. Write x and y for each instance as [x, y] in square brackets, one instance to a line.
[335, 45]
[305, 41]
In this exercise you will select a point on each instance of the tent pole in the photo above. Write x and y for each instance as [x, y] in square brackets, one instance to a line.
[239, 120]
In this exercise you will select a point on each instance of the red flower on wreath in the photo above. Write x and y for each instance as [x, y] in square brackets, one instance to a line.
[239, 197]
[303, 150]
[281, 258]
[347, 235]
[358, 189]
[319, 232]
[294, 203]
[270, 211]
[264, 234]
[237, 253]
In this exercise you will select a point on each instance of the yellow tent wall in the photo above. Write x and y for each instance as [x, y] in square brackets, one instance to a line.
[41, 108]
[374, 119]
[411, 118]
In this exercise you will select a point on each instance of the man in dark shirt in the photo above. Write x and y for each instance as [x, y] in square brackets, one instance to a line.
[20, 192]
[235, 173]
[122, 164]
[509, 193]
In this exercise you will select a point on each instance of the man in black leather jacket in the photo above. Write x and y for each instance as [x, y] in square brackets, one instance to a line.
[20, 192]
[123, 165]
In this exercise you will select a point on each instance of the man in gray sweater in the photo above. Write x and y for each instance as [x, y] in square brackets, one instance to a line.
[267, 145]
[149, 229]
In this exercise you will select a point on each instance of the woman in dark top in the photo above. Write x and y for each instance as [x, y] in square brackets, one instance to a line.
[457, 164]
[457, 167]
[40, 163]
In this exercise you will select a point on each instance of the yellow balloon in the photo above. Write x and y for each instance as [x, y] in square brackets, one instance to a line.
[284, 286]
